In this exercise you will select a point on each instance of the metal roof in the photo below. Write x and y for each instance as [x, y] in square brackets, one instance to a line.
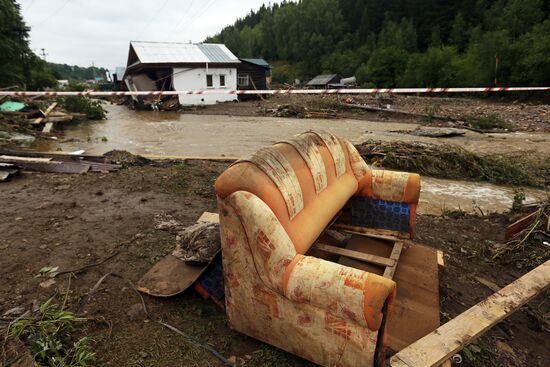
[259, 62]
[173, 52]
[323, 79]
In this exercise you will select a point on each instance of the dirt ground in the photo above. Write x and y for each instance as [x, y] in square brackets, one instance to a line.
[516, 113]
[72, 221]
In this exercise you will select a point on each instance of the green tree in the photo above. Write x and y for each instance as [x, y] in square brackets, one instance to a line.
[534, 64]
[435, 68]
[14, 45]
[384, 67]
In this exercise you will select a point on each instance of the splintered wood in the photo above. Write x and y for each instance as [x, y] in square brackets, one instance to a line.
[438, 346]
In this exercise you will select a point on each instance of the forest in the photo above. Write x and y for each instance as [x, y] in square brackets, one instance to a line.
[405, 43]
[21, 67]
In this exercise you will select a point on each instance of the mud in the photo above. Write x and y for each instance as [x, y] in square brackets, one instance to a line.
[75, 220]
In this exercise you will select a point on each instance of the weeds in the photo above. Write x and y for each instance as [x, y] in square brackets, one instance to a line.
[487, 122]
[529, 247]
[91, 108]
[47, 333]
[454, 162]
[519, 198]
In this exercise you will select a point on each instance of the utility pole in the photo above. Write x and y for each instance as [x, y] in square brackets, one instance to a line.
[44, 54]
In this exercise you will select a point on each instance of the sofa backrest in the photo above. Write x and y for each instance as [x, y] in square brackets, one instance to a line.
[305, 181]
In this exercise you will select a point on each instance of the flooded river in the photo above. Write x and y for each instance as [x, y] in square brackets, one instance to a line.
[177, 134]
[174, 133]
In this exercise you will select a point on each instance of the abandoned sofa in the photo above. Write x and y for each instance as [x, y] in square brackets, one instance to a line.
[273, 206]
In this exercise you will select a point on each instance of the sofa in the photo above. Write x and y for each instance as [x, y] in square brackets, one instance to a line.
[273, 207]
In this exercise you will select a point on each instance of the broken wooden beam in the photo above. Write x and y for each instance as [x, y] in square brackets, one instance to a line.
[356, 255]
[395, 253]
[438, 346]
[46, 113]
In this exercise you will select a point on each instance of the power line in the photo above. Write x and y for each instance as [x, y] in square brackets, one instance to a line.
[53, 14]
[153, 18]
[199, 15]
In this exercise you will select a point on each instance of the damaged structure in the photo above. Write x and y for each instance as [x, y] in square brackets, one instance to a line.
[172, 66]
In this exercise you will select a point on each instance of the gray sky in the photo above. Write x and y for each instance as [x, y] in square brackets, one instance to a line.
[77, 32]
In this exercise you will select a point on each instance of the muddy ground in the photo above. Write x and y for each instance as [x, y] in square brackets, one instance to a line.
[72, 221]
[513, 113]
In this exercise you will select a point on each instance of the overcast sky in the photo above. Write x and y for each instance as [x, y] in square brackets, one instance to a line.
[77, 32]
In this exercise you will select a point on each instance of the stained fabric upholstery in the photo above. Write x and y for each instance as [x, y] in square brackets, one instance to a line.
[328, 313]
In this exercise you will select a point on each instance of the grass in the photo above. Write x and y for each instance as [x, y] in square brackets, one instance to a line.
[487, 122]
[91, 108]
[454, 162]
[48, 335]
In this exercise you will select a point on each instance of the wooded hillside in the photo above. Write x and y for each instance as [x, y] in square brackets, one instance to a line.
[409, 43]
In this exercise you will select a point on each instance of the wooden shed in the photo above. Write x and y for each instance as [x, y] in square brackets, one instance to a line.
[253, 74]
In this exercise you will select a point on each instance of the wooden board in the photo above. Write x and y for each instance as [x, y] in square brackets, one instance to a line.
[46, 113]
[378, 260]
[416, 310]
[441, 344]
[171, 276]
[372, 232]
[395, 253]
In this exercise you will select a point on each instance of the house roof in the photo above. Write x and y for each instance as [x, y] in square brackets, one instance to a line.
[259, 62]
[173, 52]
[322, 79]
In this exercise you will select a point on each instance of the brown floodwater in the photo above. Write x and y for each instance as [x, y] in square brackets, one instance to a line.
[184, 134]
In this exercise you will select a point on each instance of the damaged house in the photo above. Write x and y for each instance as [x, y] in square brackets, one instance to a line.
[167, 66]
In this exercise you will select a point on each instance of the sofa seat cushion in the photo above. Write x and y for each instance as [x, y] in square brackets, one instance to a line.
[318, 208]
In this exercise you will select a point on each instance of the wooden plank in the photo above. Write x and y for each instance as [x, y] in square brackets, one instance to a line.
[395, 253]
[384, 234]
[417, 288]
[48, 126]
[46, 113]
[520, 225]
[441, 344]
[374, 259]
[209, 217]
[339, 237]
[440, 260]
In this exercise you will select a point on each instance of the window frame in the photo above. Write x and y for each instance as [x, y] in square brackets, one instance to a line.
[240, 77]
[211, 77]
[220, 80]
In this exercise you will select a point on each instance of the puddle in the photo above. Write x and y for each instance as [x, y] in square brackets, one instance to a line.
[174, 133]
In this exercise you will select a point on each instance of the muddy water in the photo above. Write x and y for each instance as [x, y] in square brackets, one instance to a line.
[172, 133]
[439, 195]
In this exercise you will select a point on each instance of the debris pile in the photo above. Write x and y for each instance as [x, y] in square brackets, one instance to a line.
[292, 110]
[528, 239]
[11, 164]
[453, 162]
[35, 114]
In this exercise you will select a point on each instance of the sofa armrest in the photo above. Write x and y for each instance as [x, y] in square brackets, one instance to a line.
[345, 292]
[402, 187]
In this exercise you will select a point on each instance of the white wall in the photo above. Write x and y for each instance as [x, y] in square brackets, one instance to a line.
[195, 79]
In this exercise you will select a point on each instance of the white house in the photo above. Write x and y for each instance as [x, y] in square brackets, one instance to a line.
[182, 67]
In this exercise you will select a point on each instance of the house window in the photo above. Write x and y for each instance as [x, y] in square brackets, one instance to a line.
[209, 80]
[222, 80]
[243, 80]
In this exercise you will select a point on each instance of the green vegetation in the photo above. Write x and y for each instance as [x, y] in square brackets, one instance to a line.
[19, 66]
[409, 43]
[454, 162]
[48, 334]
[90, 107]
